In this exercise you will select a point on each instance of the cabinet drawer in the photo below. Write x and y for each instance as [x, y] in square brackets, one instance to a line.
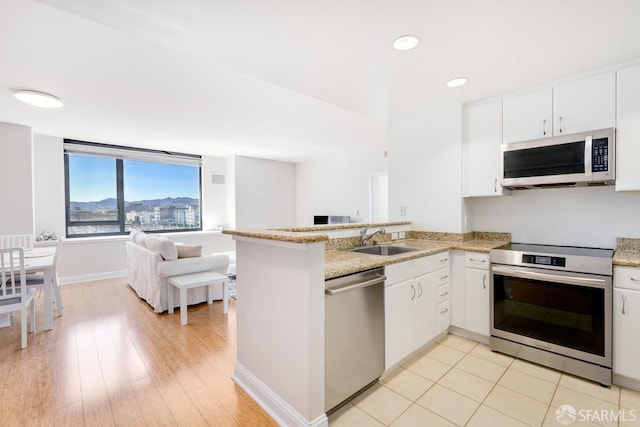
[626, 278]
[443, 293]
[476, 260]
[444, 316]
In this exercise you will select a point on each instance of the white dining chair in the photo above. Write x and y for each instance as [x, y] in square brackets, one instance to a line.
[36, 280]
[16, 241]
[14, 294]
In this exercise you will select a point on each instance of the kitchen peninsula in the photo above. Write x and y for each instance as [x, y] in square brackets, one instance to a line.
[280, 315]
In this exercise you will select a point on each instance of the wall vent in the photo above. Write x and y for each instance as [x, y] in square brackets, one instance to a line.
[217, 179]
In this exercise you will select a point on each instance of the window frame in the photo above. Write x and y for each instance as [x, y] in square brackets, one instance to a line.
[136, 154]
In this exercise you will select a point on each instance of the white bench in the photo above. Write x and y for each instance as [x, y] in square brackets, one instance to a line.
[193, 280]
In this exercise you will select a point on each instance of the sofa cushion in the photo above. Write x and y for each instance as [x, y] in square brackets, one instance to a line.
[218, 263]
[140, 239]
[189, 251]
[162, 246]
[132, 235]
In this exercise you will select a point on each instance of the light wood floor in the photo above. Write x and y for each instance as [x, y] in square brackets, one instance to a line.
[110, 360]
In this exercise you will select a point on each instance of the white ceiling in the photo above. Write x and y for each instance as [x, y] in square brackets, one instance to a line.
[286, 79]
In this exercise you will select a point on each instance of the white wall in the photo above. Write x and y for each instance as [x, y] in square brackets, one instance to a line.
[16, 182]
[48, 184]
[425, 170]
[561, 216]
[214, 196]
[265, 193]
[337, 185]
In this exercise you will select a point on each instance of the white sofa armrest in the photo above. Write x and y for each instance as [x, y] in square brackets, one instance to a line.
[218, 263]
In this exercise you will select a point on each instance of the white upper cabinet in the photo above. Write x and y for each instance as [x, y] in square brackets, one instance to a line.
[576, 106]
[481, 155]
[585, 104]
[628, 131]
[528, 116]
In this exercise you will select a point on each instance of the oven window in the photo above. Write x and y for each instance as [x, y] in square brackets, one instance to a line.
[561, 159]
[566, 315]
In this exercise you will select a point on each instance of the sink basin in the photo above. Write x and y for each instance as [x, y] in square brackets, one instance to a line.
[385, 250]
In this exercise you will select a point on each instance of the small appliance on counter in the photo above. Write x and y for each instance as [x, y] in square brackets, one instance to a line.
[331, 219]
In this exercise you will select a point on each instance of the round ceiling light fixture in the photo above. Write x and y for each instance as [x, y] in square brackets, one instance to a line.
[407, 42]
[458, 81]
[38, 99]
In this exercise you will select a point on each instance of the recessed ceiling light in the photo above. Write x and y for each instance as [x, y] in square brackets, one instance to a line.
[38, 99]
[406, 42]
[458, 81]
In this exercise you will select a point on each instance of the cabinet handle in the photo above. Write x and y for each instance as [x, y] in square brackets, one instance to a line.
[444, 260]
[495, 185]
[484, 280]
[444, 311]
[445, 294]
[444, 277]
[544, 127]
[481, 261]
[634, 279]
[413, 292]
[560, 124]
[624, 300]
[420, 288]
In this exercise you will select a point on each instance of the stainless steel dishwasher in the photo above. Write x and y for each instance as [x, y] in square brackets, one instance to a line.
[354, 334]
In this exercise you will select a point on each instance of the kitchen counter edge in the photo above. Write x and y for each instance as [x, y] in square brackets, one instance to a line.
[343, 262]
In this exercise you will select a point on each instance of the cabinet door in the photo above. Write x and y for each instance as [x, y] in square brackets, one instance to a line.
[458, 304]
[626, 346]
[425, 307]
[481, 154]
[628, 130]
[527, 116]
[477, 301]
[399, 318]
[585, 104]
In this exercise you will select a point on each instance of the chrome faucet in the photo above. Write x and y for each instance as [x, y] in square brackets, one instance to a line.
[364, 238]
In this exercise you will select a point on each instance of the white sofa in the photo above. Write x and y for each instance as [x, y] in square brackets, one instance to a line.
[148, 270]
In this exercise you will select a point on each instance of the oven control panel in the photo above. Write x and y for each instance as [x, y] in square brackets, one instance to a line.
[554, 261]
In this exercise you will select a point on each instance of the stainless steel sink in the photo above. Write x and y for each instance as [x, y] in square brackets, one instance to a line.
[384, 250]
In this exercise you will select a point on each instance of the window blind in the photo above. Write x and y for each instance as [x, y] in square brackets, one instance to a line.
[130, 153]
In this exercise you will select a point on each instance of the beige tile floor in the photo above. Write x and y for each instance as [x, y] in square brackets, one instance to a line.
[459, 382]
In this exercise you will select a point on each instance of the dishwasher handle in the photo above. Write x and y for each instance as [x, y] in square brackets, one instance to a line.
[380, 279]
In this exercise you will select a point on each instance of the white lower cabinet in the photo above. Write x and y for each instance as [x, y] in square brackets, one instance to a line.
[411, 299]
[626, 321]
[476, 293]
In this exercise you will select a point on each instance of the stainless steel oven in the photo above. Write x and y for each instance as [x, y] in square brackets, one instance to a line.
[552, 305]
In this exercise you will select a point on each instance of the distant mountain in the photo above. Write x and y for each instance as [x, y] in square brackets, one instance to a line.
[111, 203]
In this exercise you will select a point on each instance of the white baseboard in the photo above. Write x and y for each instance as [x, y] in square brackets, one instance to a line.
[90, 277]
[279, 410]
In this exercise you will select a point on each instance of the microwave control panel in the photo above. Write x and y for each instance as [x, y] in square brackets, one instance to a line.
[600, 155]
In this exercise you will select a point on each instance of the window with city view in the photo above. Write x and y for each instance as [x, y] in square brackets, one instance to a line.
[113, 190]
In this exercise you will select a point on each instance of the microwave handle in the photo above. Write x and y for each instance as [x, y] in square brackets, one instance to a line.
[588, 152]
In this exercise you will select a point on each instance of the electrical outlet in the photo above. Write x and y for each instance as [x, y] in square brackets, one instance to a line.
[403, 211]
[357, 212]
[401, 235]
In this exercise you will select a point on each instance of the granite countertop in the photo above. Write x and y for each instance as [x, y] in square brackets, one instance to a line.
[627, 252]
[280, 236]
[342, 262]
[626, 258]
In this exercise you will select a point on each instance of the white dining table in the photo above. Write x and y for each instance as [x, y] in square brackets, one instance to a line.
[41, 260]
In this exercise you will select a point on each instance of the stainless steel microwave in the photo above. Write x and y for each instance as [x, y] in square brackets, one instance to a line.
[579, 159]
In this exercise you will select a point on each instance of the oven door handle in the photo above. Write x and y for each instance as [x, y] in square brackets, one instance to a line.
[557, 278]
